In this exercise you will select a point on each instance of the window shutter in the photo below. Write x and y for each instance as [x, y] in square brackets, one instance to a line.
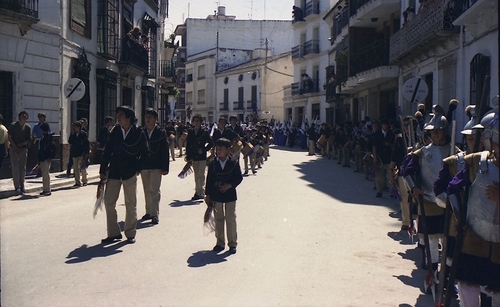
[78, 12]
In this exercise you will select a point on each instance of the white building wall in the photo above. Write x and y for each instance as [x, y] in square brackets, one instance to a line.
[34, 61]
[238, 34]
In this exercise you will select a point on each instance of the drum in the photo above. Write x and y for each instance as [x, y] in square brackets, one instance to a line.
[183, 137]
[247, 149]
[171, 138]
[237, 146]
[321, 143]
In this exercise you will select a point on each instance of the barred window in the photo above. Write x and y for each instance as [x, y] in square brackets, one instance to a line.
[479, 68]
[107, 28]
[106, 95]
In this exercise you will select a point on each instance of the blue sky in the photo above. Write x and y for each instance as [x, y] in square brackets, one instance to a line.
[242, 9]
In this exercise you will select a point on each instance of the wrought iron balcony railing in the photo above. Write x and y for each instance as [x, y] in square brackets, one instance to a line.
[312, 8]
[298, 52]
[460, 6]
[340, 21]
[311, 47]
[224, 106]
[304, 87]
[135, 54]
[354, 5]
[24, 7]
[330, 90]
[368, 57]
[167, 69]
[428, 27]
[238, 105]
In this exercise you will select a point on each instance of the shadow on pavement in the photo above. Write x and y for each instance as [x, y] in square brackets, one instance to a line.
[86, 253]
[181, 203]
[402, 237]
[26, 197]
[205, 257]
[342, 183]
[141, 224]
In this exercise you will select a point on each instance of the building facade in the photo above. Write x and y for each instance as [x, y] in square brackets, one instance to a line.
[218, 43]
[47, 44]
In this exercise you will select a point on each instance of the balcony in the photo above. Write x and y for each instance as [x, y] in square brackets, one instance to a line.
[339, 23]
[311, 47]
[167, 71]
[371, 13]
[297, 52]
[480, 16]
[238, 105]
[133, 57]
[21, 12]
[251, 105]
[224, 106]
[367, 57]
[331, 90]
[305, 87]
[312, 8]
[430, 28]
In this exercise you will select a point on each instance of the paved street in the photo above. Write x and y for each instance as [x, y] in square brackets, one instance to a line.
[310, 233]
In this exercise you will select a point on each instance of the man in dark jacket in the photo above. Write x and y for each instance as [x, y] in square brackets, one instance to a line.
[155, 166]
[312, 136]
[46, 153]
[79, 151]
[124, 154]
[198, 143]
[383, 140]
[223, 176]
[170, 130]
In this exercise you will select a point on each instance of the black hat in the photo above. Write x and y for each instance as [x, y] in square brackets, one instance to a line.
[153, 112]
[129, 112]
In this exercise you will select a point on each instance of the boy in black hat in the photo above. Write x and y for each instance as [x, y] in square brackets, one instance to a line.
[155, 166]
[198, 143]
[223, 176]
[124, 154]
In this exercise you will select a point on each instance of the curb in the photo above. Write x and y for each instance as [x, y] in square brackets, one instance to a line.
[10, 193]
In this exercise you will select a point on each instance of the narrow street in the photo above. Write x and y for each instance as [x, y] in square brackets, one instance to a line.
[310, 233]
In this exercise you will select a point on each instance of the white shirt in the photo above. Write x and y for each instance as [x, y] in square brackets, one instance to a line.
[222, 163]
[125, 133]
[150, 132]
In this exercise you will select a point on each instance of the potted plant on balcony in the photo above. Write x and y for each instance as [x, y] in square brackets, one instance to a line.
[170, 46]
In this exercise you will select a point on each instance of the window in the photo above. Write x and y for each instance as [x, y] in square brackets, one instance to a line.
[189, 98]
[189, 75]
[253, 105]
[80, 20]
[7, 97]
[226, 96]
[127, 17]
[479, 68]
[107, 28]
[201, 96]
[106, 95]
[201, 72]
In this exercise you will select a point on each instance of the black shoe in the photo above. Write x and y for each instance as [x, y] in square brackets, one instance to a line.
[146, 217]
[245, 173]
[155, 220]
[218, 248]
[196, 197]
[111, 239]
[131, 240]
[85, 184]
[45, 193]
[254, 172]
[76, 185]
[232, 250]
[379, 195]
